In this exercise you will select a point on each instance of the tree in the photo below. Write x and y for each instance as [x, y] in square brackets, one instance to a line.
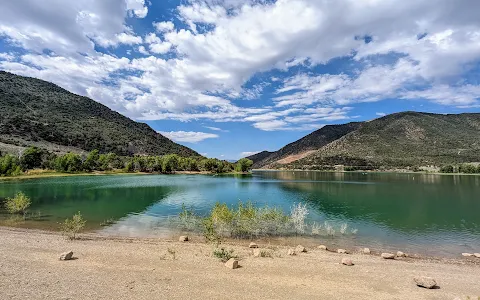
[31, 158]
[170, 163]
[92, 161]
[68, 163]
[447, 169]
[243, 165]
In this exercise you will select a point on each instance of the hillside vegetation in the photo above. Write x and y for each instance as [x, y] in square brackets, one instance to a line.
[39, 113]
[404, 139]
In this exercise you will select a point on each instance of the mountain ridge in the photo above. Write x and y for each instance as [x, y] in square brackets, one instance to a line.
[38, 112]
[400, 139]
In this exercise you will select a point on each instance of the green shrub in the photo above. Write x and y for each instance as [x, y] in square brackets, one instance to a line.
[447, 169]
[71, 227]
[18, 204]
[223, 255]
[468, 169]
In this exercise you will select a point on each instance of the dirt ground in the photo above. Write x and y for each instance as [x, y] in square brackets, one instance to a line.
[108, 268]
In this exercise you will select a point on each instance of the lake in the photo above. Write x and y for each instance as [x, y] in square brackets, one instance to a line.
[419, 213]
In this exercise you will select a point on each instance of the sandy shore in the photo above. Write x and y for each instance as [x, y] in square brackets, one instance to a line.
[108, 268]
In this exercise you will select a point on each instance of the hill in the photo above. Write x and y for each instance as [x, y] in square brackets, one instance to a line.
[397, 140]
[40, 113]
[304, 146]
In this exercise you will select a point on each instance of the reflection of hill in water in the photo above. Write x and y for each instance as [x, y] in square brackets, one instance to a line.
[407, 202]
[95, 199]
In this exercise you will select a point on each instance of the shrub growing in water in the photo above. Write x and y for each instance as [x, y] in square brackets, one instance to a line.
[71, 227]
[18, 204]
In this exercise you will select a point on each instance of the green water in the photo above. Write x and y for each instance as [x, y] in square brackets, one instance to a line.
[426, 214]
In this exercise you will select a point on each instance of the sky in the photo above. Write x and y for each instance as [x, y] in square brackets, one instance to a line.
[229, 78]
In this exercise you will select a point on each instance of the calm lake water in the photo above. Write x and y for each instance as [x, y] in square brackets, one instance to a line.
[423, 214]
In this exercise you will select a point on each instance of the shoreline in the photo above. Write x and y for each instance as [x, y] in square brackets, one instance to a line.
[285, 242]
[369, 172]
[53, 174]
[120, 268]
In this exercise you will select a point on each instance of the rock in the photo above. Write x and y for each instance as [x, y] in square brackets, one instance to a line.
[66, 255]
[366, 251]
[257, 252]
[401, 254]
[426, 282]
[477, 255]
[253, 245]
[467, 254]
[347, 262]
[342, 251]
[291, 252]
[183, 238]
[232, 263]
[322, 247]
[300, 249]
[388, 255]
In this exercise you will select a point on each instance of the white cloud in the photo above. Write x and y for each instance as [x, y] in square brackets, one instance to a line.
[216, 128]
[381, 114]
[249, 153]
[188, 136]
[137, 8]
[203, 76]
[164, 26]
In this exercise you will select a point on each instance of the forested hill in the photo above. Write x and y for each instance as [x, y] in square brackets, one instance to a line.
[40, 113]
[400, 139]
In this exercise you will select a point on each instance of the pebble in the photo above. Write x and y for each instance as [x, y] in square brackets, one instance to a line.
[291, 252]
[183, 238]
[342, 251]
[366, 251]
[347, 262]
[253, 245]
[300, 249]
[322, 247]
[388, 255]
[401, 254]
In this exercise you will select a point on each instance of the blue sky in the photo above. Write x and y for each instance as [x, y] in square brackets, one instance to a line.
[232, 77]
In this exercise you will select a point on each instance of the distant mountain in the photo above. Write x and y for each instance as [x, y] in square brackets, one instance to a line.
[259, 156]
[40, 113]
[401, 139]
[304, 146]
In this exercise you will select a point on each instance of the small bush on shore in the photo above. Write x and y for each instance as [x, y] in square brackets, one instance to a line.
[18, 204]
[71, 227]
[223, 255]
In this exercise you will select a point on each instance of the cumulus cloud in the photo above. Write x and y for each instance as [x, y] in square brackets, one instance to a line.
[188, 136]
[216, 128]
[203, 69]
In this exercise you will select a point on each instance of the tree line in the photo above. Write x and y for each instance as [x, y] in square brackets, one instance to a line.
[37, 158]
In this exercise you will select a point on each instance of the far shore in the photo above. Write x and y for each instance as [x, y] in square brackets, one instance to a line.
[141, 268]
[367, 171]
[49, 173]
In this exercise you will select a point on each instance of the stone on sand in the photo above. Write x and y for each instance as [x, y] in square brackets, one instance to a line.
[342, 251]
[66, 255]
[347, 262]
[300, 249]
[401, 254]
[467, 254]
[388, 255]
[257, 252]
[253, 245]
[183, 238]
[366, 251]
[291, 252]
[426, 282]
[232, 263]
[322, 247]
